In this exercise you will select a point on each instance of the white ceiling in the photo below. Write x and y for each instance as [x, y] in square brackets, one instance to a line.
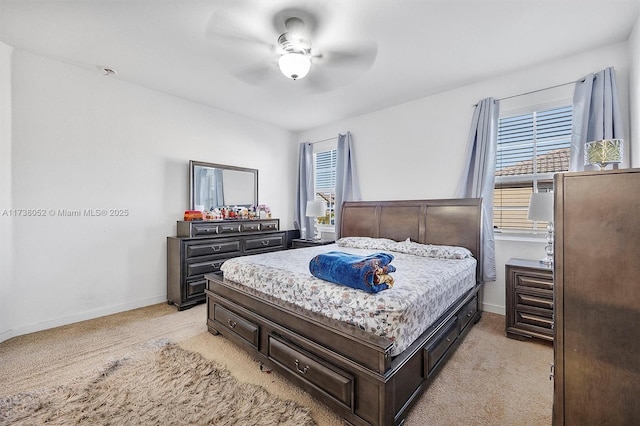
[423, 46]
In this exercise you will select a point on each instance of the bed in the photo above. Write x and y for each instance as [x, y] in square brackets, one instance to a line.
[361, 370]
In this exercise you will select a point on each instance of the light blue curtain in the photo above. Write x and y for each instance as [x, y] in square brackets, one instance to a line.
[218, 193]
[347, 186]
[596, 115]
[304, 190]
[478, 177]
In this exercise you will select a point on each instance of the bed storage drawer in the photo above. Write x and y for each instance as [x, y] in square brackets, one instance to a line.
[236, 324]
[444, 339]
[320, 374]
[467, 313]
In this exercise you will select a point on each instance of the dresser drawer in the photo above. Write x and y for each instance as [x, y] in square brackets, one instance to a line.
[467, 313]
[269, 226]
[210, 247]
[250, 227]
[199, 229]
[241, 327]
[195, 287]
[320, 374]
[200, 268]
[445, 338]
[264, 242]
[230, 228]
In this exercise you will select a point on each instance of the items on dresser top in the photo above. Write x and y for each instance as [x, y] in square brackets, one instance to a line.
[201, 247]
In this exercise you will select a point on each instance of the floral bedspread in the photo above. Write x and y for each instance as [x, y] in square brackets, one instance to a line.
[424, 288]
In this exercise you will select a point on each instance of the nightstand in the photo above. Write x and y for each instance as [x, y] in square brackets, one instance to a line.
[301, 242]
[529, 299]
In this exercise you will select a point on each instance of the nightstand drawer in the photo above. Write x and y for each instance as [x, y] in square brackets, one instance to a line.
[530, 300]
[534, 320]
[534, 282]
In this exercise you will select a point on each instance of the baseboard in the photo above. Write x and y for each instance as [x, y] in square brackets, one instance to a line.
[494, 309]
[83, 316]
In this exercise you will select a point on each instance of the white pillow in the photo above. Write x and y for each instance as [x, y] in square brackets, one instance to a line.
[366, 243]
[430, 250]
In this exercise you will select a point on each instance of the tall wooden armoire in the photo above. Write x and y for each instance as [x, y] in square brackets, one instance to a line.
[597, 298]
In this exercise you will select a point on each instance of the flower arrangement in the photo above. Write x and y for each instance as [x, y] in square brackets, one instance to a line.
[264, 207]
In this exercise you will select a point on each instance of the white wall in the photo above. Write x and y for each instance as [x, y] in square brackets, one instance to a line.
[5, 184]
[82, 140]
[416, 150]
[634, 91]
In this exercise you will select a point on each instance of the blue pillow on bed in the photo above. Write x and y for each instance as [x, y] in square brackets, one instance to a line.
[368, 273]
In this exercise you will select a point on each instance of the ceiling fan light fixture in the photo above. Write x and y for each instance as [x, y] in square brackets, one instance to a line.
[294, 65]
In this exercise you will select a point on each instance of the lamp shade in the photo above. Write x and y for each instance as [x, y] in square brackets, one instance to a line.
[603, 152]
[294, 65]
[541, 207]
[316, 208]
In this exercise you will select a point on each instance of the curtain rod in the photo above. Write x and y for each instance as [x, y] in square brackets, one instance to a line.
[323, 140]
[540, 90]
[536, 91]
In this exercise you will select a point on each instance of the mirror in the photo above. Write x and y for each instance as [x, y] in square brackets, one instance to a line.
[216, 185]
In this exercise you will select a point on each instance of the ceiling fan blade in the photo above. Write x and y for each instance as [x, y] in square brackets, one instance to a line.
[226, 27]
[360, 56]
[258, 74]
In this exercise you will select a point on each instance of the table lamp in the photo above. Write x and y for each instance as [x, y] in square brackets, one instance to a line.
[603, 152]
[316, 209]
[541, 209]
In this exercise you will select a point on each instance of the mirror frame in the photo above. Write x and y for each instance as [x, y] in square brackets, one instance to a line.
[192, 166]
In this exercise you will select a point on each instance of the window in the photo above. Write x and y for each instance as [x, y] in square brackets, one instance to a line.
[531, 148]
[324, 167]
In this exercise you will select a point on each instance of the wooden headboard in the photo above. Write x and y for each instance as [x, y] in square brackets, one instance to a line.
[454, 222]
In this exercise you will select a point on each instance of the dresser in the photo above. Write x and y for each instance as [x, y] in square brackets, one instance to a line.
[529, 299]
[597, 294]
[301, 242]
[201, 247]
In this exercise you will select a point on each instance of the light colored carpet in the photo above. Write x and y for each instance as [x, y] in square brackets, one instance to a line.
[490, 380]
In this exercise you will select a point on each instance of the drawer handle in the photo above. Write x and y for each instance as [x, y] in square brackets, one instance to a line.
[265, 242]
[470, 313]
[232, 324]
[216, 248]
[301, 371]
[448, 339]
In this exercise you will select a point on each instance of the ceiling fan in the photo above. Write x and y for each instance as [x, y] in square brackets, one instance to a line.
[260, 46]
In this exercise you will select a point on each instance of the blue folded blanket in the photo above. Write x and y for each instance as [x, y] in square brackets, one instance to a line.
[369, 273]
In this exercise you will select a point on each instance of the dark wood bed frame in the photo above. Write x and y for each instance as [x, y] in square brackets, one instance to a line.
[349, 370]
